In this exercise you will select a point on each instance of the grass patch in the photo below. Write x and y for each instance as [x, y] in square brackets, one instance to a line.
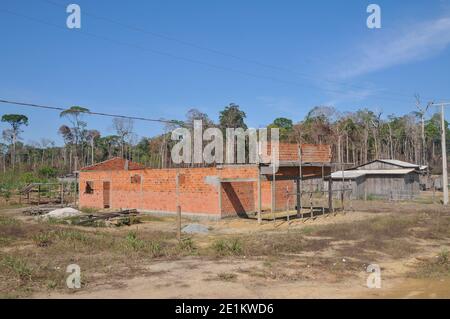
[226, 276]
[435, 267]
[187, 245]
[89, 210]
[8, 221]
[43, 239]
[224, 247]
[150, 218]
[133, 243]
[16, 266]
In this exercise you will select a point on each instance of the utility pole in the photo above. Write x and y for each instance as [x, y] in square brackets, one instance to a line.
[422, 112]
[444, 153]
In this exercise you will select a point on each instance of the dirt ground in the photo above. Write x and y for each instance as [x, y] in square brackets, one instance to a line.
[324, 257]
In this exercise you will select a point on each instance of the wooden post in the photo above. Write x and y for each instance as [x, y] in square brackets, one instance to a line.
[77, 189]
[273, 184]
[434, 193]
[272, 188]
[62, 193]
[322, 189]
[179, 223]
[287, 205]
[178, 207]
[39, 194]
[444, 156]
[342, 187]
[330, 195]
[259, 195]
[297, 181]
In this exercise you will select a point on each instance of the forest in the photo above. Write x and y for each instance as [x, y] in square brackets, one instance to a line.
[356, 137]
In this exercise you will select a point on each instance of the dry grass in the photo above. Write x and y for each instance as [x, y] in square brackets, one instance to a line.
[34, 256]
[436, 267]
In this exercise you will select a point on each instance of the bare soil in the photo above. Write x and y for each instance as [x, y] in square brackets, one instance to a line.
[324, 257]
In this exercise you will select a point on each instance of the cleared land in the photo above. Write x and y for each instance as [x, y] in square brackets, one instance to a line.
[313, 258]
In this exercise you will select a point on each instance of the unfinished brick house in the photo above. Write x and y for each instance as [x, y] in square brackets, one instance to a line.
[212, 192]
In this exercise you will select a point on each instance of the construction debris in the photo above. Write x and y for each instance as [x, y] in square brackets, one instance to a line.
[195, 229]
[119, 218]
[61, 213]
[40, 210]
[76, 217]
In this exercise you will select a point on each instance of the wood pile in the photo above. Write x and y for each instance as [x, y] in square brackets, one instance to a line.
[119, 218]
[40, 210]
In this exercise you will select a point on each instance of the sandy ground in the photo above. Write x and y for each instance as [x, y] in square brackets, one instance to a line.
[245, 277]
[191, 278]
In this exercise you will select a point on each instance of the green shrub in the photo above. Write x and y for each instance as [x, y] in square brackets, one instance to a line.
[443, 257]
[47, 172]
[17, 266]
[228, 246]
[8, 221]
[136, 244]
[187, 245]
[43, 239]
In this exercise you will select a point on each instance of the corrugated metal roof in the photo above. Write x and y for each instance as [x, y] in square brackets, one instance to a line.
[357, 173]
[399, 163]
[348, 174]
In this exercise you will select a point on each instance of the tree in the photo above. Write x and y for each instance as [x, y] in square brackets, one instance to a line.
[69, 138]
[124, 129]
[195, 115]
[75, 114]
[421, 113]
[284, 125]
[16, 121]
[108, 145]
[92, 136]
[232, 117]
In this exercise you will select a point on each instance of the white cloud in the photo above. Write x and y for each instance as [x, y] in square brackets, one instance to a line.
[349, 96]
[417, 42]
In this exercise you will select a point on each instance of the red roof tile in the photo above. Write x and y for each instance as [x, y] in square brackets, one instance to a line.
[113, 164]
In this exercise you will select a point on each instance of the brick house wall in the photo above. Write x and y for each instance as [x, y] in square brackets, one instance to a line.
[155, 190]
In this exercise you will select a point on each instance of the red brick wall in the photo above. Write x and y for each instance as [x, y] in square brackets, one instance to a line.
[238, 198]
[156, 190]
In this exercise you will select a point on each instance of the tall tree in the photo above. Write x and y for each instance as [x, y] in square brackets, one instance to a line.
[232, 117]
[124, 129]
[16, 121]
[284, 125]
[422, 110]
[75, 116]
[92, 136]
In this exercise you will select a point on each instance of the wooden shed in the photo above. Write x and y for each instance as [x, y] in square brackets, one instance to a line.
[384, 179]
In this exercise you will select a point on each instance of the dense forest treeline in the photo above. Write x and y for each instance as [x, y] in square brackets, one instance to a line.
[356, 137]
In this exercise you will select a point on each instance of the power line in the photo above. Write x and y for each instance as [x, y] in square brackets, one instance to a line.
[226, 54]
[54, 108]
[173, 56]
[218, 52]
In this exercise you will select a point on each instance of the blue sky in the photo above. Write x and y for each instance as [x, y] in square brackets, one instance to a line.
[273, 58]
